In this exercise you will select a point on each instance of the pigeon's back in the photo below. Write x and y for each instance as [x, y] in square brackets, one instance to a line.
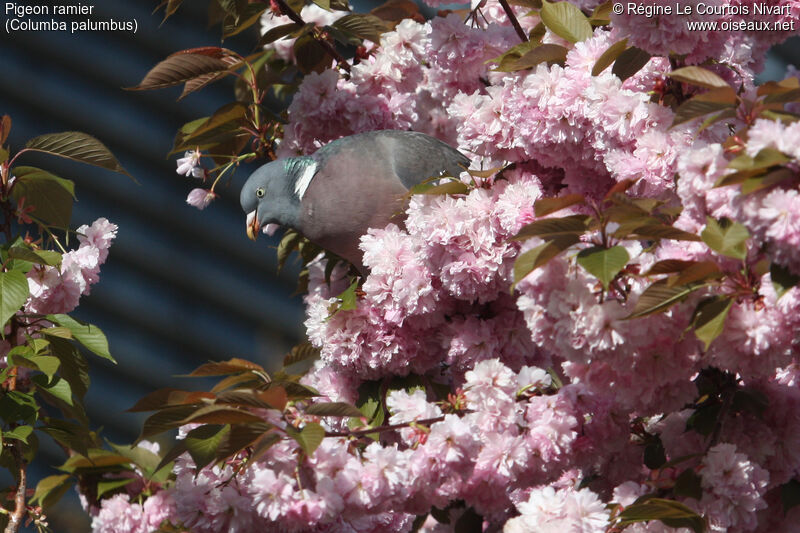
[413, 156]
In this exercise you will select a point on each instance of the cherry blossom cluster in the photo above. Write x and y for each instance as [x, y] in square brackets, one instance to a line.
[58, 289]
[531, 450]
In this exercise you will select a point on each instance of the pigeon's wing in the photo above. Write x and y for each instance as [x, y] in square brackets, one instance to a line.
[416, 157]
[413, 157]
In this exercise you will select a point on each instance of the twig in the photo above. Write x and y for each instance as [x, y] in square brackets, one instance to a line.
[15, 518]
[328, 47]
[514, 22]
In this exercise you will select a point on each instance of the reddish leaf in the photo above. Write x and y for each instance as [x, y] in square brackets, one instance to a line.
[223, 368]
[169, 397]
[182, 67]
[220, 414]
[5, 128]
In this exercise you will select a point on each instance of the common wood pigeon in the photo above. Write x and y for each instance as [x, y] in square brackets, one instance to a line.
[349, 185]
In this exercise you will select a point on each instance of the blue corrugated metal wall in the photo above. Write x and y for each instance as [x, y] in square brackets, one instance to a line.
[180, 286]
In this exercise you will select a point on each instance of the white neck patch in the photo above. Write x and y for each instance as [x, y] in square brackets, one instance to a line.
[302, 183]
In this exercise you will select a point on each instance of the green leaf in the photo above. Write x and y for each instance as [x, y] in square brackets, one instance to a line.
[74, 367]
[609, 56]
[241, 436]
[545, 206]
[783, 97]
[40, 257]
[709, 317]
[704, 419]
[536, 257]
[469, 522]
[573, 225]
[565, 20]
[703, 104]
[765, 158]
[289, 243]
[249, 16]
[77, 146]
[13, 294]
[726, 237]
[224, 124]
[370, 404]
[58, 387]
[669, 512]
[603, 263]
[544, 53]
[50, 489]
[72, 436]
[749, 400]
[342, 409]
[88, 335]
[349, 298]
[19, 406]
[49, 195]
[141, 457]
[790, 495]
[511, 55]
[448, 187]
[654, 454]
[659, 297]
[98, 460]
[310, 55]
[782, 279]
[107, 485]
[46, 364]
[630, 62]
[699, 76]
[202, 443]
[601, 15]
[309, 438]
[19, 433]
[688, 485]
[769, 179]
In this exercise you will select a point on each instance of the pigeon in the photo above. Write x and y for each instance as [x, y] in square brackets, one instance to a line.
[335, 195]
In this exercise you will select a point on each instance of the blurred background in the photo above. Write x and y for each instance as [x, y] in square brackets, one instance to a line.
[180, 286]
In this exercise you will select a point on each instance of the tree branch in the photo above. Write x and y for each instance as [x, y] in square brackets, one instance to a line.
[378, 429]
[15, 518]
[514, 22]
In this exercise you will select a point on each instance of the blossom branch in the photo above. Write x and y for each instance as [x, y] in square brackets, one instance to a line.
[327, 46]
[387, 427]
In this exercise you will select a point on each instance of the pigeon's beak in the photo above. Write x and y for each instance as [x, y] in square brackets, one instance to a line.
[252, 225]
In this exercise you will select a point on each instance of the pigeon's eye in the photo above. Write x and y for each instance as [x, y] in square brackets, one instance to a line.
[260, 192]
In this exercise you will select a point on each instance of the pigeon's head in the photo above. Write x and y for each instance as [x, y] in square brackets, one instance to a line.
[269, 197]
